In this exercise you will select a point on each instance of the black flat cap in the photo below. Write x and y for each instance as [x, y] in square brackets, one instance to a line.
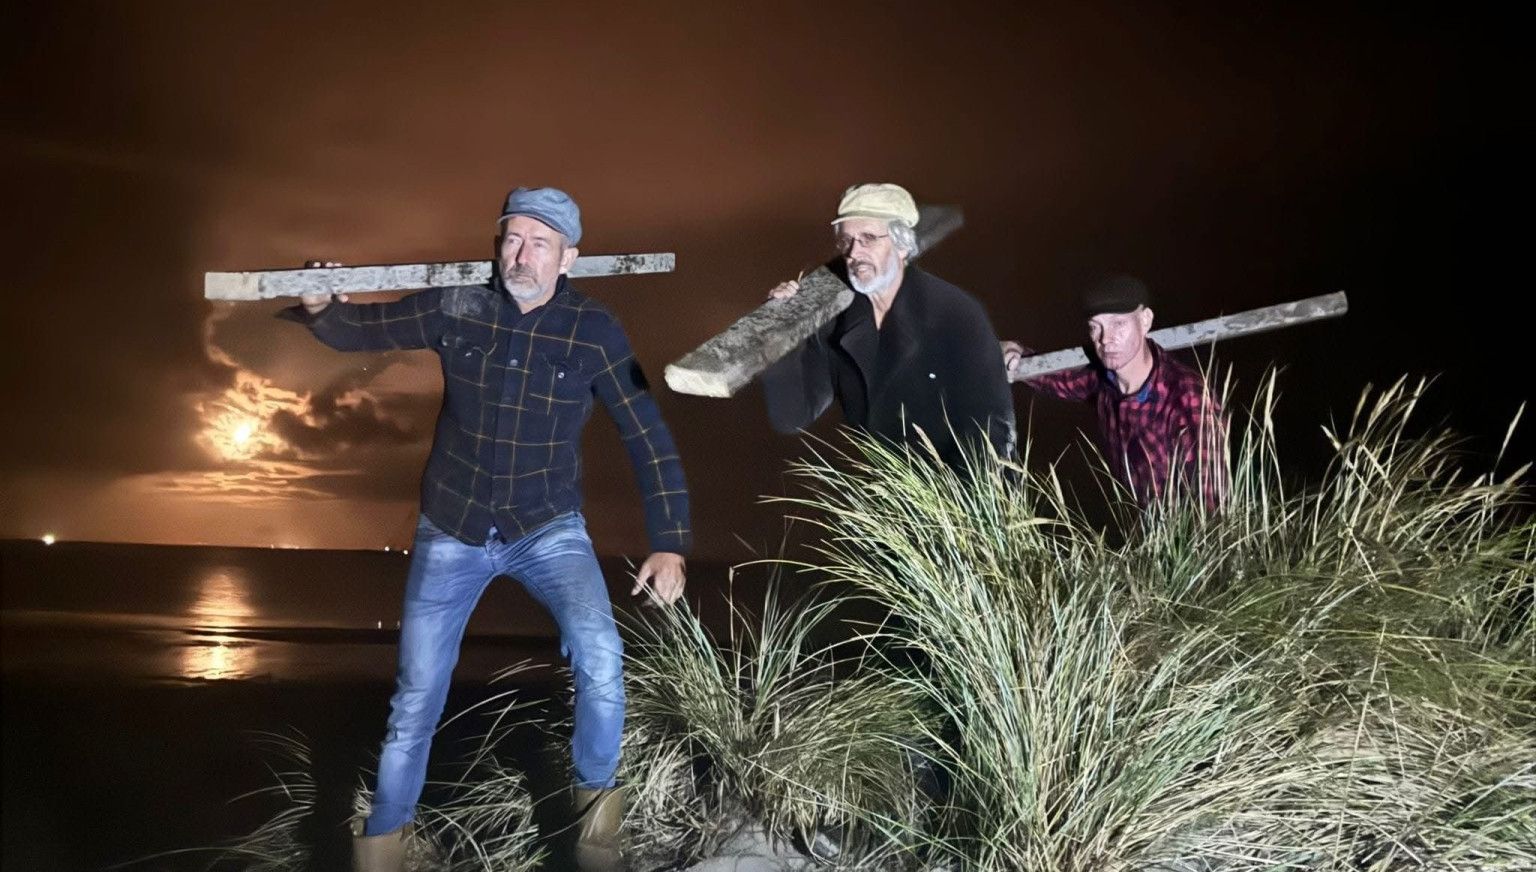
[1115, 295]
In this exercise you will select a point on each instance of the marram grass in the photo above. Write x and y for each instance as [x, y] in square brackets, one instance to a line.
[1332, 676]
[486, 825]
[1335, 675]
[765, 725]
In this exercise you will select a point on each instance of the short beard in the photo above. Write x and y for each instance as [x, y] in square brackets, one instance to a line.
[880, 283]
[532, 292]
[521, 286]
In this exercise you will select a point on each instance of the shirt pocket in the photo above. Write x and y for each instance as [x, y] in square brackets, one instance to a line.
[559, 380]
[463, 360]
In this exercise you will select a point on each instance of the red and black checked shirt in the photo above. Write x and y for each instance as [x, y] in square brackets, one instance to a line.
[517, 391]
[1171, 425]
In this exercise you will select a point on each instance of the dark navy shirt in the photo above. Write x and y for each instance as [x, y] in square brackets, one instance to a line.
[517, 391]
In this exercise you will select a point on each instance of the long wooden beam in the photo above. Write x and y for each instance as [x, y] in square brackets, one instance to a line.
[267, 284]
[732, 358]
[1201, 332]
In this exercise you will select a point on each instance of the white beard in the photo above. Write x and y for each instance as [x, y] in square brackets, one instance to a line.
[524, 292]
[882, 281]
[521, 287]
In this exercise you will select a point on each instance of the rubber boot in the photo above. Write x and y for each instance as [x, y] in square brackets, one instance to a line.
[597, 837]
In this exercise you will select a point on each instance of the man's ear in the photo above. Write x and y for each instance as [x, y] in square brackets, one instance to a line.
[1145, 316]
[567, 259]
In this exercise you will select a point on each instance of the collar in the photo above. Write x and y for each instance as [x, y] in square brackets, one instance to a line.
[562, 290]
[1144, 393]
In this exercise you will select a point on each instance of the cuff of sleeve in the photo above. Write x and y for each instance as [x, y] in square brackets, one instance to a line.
[298, 314]
[673, 541]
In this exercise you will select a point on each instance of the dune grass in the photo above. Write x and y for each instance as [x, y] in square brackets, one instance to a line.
[1329, 675]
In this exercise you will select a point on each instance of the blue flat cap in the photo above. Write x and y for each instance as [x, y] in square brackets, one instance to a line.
[549, 205]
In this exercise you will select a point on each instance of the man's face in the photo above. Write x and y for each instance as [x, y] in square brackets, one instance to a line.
[873, 261]
[1120, 339]
[531, 256]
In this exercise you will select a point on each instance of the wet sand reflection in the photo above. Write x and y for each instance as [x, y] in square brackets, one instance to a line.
[221, 609]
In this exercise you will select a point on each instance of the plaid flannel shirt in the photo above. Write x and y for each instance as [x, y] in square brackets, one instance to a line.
[1171, 425]
[517, 391]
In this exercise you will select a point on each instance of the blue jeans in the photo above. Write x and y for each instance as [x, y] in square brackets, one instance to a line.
[556, 565]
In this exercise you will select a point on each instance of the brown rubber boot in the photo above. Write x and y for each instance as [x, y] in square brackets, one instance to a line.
[597, 840]
[382, 853]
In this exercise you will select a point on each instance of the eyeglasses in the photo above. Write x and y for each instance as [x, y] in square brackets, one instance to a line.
[845, 244]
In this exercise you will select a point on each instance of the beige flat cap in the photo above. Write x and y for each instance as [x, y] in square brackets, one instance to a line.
[883, 200]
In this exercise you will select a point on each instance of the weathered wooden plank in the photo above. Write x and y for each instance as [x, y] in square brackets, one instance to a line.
[1201, 332]
[268, 284]
[732, 358]
[935, 224]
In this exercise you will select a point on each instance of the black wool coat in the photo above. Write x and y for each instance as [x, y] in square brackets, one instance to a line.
[933, 364]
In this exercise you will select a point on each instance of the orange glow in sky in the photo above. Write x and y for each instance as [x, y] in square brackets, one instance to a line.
[233, 435]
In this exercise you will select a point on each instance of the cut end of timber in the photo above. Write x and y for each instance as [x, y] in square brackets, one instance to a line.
[699, 384]
[231, 286]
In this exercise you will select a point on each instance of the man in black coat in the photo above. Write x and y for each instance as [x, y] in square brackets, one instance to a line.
[912, 353]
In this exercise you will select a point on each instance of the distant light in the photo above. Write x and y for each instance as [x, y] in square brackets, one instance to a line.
[48, 539]
[386, 547]
[405, 551]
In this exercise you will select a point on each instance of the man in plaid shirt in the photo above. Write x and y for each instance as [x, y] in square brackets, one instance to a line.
[1157, 418]
[523, 357]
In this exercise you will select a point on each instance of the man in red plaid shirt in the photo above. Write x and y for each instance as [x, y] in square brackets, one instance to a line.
[1157, 418]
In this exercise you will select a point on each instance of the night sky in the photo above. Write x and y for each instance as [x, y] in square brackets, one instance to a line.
[1231, 157]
